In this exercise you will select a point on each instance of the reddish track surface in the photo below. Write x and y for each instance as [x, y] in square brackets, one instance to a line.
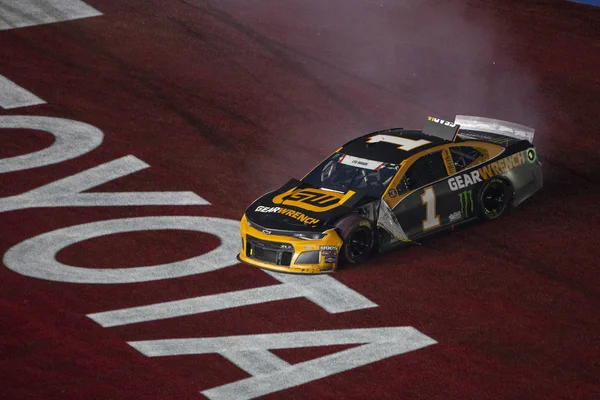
[229, 99]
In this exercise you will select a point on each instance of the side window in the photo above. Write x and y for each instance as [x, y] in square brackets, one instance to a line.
[425, 170]
[464, 156]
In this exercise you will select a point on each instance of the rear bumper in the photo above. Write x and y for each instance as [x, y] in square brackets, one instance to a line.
[289, 254]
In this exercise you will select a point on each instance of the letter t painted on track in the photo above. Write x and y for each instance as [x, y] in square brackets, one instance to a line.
[325, 291]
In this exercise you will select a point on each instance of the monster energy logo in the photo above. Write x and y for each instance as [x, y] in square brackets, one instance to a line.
[466, 202]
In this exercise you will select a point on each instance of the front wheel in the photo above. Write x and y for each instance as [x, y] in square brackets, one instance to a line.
[494, 198]
[358, 236]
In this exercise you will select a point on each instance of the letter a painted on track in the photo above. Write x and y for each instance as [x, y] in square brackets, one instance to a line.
[271, 374]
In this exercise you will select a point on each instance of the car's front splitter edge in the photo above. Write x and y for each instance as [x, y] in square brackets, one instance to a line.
[331, 243]
[285, 269]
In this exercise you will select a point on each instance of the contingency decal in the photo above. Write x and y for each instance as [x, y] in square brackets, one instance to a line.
[329, 254]
[455, 216]
[487, 171]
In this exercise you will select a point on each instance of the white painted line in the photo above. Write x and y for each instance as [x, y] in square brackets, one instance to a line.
[13, 95]
[21, 13]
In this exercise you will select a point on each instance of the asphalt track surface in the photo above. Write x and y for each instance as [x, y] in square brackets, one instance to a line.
[232, 98]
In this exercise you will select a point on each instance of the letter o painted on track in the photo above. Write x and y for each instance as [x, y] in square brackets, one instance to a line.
[36, 257]
[72, 139]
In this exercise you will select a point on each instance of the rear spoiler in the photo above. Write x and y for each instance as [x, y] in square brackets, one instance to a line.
[496, 126]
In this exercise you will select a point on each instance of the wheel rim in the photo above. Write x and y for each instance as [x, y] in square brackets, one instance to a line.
[359, 243]
[494, 199]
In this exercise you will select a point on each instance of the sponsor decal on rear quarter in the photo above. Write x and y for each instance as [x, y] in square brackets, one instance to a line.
[487, 171]
[466, 203]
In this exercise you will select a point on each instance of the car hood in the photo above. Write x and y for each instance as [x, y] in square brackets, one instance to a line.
[299, 207]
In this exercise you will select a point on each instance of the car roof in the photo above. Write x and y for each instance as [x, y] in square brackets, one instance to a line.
[390, 152]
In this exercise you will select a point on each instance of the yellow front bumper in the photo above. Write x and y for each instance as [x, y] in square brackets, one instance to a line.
[328, 251]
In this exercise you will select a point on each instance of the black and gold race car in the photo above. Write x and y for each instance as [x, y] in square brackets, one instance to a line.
[389, 187]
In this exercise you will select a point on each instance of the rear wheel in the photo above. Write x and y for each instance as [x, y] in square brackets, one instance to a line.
[358, 236]
[494, 198]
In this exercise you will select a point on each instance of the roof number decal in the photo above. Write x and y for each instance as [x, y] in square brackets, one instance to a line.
[403, 143]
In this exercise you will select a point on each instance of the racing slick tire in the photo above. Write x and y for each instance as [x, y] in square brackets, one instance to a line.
[359, 238]
[494, 198]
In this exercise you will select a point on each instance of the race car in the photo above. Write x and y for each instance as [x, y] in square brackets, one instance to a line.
[391, 187]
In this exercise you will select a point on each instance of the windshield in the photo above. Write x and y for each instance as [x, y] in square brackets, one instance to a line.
[342, 172]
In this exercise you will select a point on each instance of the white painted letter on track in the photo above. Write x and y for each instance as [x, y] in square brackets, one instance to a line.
[323, 290]
[67, 192]
[21, 13]
[14, 96]
[271, 374]
[36, 257]
[72, 139]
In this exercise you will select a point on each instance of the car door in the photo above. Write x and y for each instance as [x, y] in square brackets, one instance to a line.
[421, 190]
